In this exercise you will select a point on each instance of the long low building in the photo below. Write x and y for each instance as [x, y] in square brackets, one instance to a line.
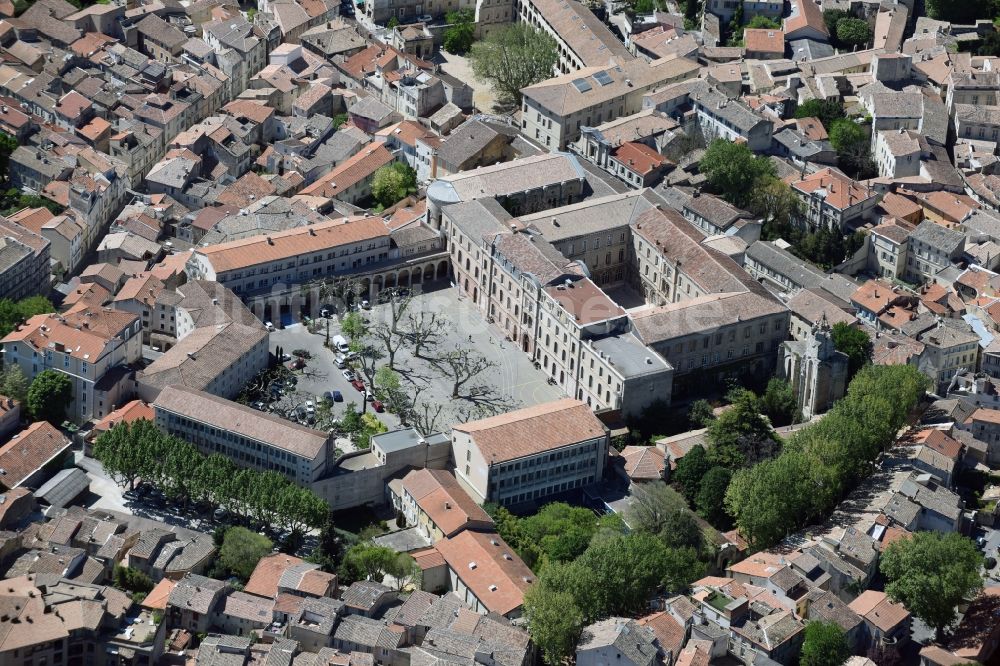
[530, 454]
[248, 437]
[259, 263]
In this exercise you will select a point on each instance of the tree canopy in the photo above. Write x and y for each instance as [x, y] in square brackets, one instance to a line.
[461, 31]
[512, 58]
[855, 343]
[13, 313]
[242, 550]
[711, 499]
[826, 110]
[741, 436]
[825, 644]
[761, 22]
[779, 403]
[824, 461]
[393, 182]
[49, 394]
[139, 450]
[733, 170]
[931, 573]
[853, 32]
[690, 470]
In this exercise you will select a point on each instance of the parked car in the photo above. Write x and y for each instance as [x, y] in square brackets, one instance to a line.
[990, 562]
[269, 326]
[341, 361]
[349, 375]
[369, 396]
[365, 305]
[286, 357]
[310, 407]
[358, 384]
[378, 406]
[338, 396]
[220, 514]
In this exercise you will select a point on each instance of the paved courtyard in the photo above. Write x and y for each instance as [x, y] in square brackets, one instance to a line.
[511, 382]
[460, 67]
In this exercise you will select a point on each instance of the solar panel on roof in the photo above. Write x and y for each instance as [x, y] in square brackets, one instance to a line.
[581, 85]
[603, 78]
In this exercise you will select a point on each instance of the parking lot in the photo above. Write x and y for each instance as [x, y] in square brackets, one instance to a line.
[510, 382]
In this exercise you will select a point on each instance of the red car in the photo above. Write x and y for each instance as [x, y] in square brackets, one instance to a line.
[378, 406]
[358, 384]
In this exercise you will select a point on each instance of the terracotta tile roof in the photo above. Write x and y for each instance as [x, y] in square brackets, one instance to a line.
[358, 167]
[669, 633]
[808, 14]
[428, 559]
[940, 442]
[764, 40]
[249, 188]
[490, 569]
[406, 132]
[29, 451]
[32, 218]
[264, 580]
[158, 596]
[127, 413]
[877, 609]
[439, 495]
[812, 128]
[585, 302]
[242, 253]
[841, 191]
[644, 463]
[639, 157]
[531, 430]
[952, 207]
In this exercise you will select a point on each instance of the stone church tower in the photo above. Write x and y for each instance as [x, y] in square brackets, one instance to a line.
[816, 371]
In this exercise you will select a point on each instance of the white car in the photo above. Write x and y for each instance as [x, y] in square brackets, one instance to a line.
[349, 375]
[425, 18]
[310, 407]
[269, 326]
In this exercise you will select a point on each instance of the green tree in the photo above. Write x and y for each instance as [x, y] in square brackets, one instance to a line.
[131, 580]
[830, 19]
[959, 11]
[846, 136]
[329, 551]
[354, 327]
[366, 561]
[339, 120]
[512, 58]
[629, 567]
[824, 461]
[554, 621]
[826, 110]
[931, 573]
[825, 645]
[461, 31]
[761, 22]
[779, 403]
[733, 170]
[557, 533]
[741, 435]
[393, 182]
[700, 414]
[13, 313]
[242, 550]
[392, 22]
[853, 32]
[711, 500]
[49, 394]
[855, 343]
[775, 202]
[13, 383]
[690, 469]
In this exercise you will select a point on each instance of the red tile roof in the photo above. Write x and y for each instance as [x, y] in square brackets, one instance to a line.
[29, 451]
[639, 157]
